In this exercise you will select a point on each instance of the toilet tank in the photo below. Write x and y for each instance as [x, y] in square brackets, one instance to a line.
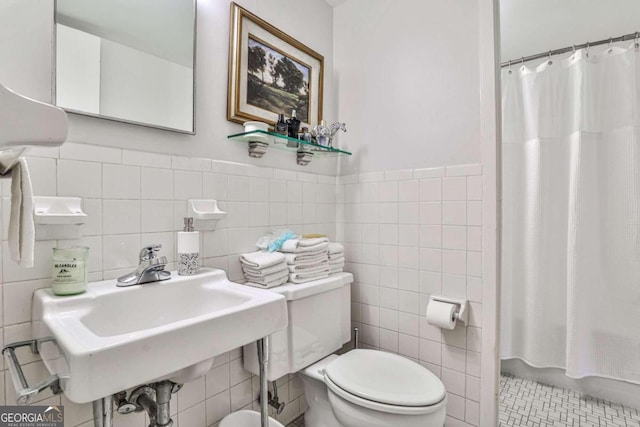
[319, 315]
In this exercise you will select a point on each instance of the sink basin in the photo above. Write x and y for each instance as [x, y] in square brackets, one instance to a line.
[110, 339]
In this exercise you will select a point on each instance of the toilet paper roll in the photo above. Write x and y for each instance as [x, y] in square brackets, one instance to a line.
[441, 314]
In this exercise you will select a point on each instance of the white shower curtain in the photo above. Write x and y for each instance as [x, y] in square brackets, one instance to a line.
[571, 232]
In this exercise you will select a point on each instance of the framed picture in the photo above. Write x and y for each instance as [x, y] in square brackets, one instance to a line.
[271, 73]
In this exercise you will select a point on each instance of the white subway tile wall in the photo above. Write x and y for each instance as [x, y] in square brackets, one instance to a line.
[136, 198]
[409, 234]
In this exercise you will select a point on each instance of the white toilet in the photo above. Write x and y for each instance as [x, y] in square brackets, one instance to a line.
[360, 388]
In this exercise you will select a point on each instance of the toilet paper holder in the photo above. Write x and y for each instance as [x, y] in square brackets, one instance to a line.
[462, 313]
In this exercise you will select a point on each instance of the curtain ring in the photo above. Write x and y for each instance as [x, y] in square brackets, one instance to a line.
[573, 54]
[587, 53]
[550, 61]
[610, 44]
[522, 62]
[637, 44]
[510, 67]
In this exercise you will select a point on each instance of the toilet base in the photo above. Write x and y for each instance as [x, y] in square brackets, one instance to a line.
[319, 413]
[329, 410]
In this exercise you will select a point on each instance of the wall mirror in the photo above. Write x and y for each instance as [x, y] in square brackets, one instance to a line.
[127, 60]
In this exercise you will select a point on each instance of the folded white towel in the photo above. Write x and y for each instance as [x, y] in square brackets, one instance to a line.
[21, 227]
[260, 260]
[336, 255]
[336, 270]
[264, 271]
[305, 257]
[335, 248]
[265, 280]
[294, 246]
[308, 269]
[335, 261]
[304, 277]
[312, 241]
[309, 264]
[270, 284]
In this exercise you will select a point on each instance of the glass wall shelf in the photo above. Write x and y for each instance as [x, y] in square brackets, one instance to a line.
[280, 142]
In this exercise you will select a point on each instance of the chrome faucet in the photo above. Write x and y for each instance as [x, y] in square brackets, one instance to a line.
[150, 268]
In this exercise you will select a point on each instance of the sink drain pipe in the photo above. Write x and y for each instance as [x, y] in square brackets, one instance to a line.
[163, 397]
[143, 397]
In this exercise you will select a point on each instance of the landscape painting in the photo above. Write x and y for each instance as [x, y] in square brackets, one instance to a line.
[271, 73]
[276, 82]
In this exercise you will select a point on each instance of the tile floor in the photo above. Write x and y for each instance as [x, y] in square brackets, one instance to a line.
[528, 403]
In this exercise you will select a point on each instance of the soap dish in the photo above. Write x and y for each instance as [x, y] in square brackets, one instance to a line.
[58, 218]
[205, 212]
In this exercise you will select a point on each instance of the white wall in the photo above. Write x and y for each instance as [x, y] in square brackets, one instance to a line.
[26, 28]
[134, 199]
[533, 26]
[409, 234]
[407, 82]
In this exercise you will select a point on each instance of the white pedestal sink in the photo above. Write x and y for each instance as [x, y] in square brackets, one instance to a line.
[110, 338]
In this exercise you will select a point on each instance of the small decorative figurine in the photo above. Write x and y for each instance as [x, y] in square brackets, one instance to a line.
[324, 134]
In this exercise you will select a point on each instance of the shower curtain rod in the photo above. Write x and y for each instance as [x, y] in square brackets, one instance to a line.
[611, 40]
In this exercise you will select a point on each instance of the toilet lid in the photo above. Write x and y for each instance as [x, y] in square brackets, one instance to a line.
[385, 378]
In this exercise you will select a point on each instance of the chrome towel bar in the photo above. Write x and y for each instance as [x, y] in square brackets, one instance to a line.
[25, 394]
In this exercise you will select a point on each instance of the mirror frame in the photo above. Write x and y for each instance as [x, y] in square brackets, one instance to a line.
[54, 87]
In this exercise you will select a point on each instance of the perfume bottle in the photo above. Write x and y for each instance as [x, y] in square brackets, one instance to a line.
[188, 248]
[304, 134]
[281, 125]
[294, 125]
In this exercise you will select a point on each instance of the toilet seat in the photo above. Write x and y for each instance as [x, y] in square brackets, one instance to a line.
[382, 407]
[385, 382]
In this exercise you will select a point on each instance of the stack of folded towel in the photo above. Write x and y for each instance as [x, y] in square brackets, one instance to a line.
[336, 258]
[307, 259]
[264, 269]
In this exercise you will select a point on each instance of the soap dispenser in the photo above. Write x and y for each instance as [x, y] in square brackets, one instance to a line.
[188, 248]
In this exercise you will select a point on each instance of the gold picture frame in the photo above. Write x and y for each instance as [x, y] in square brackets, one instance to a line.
[270, 73]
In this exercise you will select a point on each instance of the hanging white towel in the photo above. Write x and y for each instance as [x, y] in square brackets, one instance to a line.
[21, 227]
[260, 260]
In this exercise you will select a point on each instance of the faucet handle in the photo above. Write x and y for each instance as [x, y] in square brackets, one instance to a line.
[149, 252]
